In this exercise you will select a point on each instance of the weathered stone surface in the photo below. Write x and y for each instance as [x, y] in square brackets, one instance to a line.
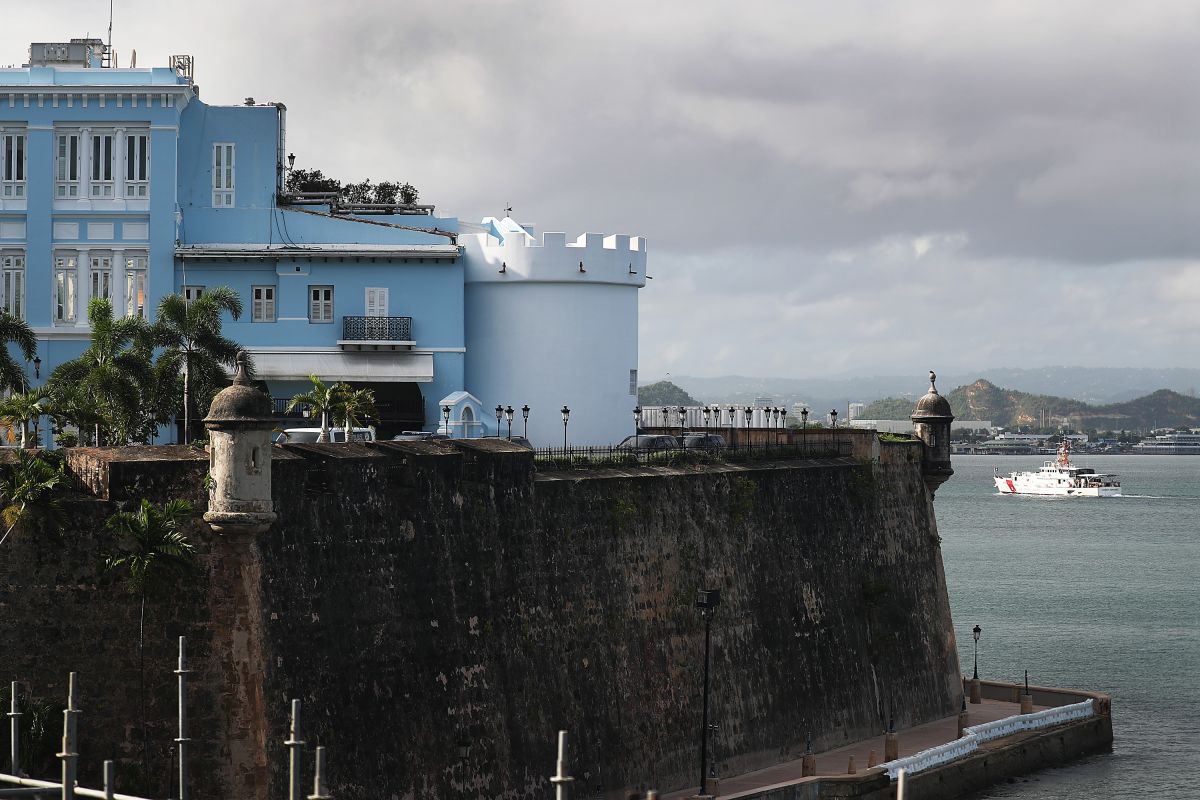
[415, 595]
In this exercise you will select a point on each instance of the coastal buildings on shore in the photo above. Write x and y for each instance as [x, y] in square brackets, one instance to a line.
[121, 183]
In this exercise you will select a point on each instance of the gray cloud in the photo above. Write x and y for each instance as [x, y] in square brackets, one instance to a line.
[786, 160]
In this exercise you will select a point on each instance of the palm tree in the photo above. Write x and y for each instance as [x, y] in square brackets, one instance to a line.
[155, 554]
[191, 333]
[320, 399]
[356, 406]
[110, 372]
[31, 491]
[20, 407]
[15, 331]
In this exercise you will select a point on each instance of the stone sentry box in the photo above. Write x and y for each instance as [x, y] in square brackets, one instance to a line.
[239, 424]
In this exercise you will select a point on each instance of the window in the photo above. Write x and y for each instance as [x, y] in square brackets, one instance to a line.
[12, 171]
[262, 307]
[320, 304]
[100, 287]
[223, 158]
[377, 302]
[102, 165]
[633, 382]
[64, 288]
[137, 165]
[192, 293]
[66, 166]
[12, 284]
[135, 286]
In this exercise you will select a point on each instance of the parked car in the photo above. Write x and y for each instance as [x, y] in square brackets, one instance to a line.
[310, 435]
[521, 440]
[648, 442]
[703, 441]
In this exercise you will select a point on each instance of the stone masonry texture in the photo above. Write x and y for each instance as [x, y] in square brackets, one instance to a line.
[421, 596]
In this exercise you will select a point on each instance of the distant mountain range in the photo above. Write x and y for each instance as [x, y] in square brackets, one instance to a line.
[1093, 385]
[984, 400]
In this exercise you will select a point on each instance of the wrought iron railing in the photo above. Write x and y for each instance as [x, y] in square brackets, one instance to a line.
[377, 329]
[599, 457]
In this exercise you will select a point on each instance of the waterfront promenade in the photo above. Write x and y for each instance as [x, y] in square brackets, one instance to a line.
[834, 762]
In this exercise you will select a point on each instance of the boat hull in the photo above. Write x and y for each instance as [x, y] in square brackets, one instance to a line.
[1017, 486]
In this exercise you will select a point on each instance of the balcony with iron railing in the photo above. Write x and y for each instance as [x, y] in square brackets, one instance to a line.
[376, 333]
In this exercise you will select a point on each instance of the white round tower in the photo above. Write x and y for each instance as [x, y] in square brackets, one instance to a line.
[552, 323]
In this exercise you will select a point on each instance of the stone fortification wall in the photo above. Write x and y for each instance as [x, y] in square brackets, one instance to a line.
[417, 596]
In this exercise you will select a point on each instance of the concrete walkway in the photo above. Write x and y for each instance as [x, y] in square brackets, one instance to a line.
[834, 762]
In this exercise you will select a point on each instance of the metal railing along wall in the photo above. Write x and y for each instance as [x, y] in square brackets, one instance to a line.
[14, 784]
[377, 329]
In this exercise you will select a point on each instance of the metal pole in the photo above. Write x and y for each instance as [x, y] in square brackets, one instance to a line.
[560, 779]
[976, 676]
[319, 790]
[14, 730]
[182, 740]
[110, 780]
[68, 755]
[704, 719]
[294, 743]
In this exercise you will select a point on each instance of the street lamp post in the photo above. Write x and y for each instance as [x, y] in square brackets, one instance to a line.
[508, 417]
[732, 423]
[707, 413]
[525, 417]
[804, 427]
[682, 420]
[637, 420]
[975, 633]
[976, 693]
[833, 418]
[446, 420]
[499, 411]
[707, 601]
[566, 414]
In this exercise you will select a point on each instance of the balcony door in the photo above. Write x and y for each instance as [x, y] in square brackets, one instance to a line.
[377, 302]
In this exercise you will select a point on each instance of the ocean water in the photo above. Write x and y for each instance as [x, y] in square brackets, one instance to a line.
[1095, 593]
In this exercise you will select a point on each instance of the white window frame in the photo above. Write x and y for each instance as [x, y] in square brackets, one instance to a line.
[12, 282]
[192, 293]
[135, 285]
[13, 154]
[100, 276]
[68, 151]
[65, 273]
[224, 174]
[320, 309]
[262, 303]
[137, 164]
[102, 164]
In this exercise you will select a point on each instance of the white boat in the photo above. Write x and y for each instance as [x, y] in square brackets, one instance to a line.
[1060, 478]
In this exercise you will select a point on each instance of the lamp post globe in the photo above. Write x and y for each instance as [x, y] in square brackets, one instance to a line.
[637, 418]
[833, 417]
[446, 418]
[499, 411]
[566, 415]
[508, 417]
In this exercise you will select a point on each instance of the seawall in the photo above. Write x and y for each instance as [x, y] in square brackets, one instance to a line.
[427, 599]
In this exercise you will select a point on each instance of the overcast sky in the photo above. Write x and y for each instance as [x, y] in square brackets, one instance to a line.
[827, 187]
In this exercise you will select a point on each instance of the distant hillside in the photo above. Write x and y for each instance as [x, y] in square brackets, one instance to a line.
[983, 400]
[664, 393]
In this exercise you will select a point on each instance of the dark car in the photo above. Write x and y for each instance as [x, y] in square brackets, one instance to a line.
[521, 440]
[703, 441]
[649, 443]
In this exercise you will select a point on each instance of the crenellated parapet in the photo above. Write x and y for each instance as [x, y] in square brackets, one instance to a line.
[507, 251]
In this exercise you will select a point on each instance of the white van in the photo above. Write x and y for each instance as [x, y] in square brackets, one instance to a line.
[310, 435]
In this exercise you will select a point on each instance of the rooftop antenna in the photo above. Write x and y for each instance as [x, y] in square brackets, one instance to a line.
[110, 17]
[508, 211]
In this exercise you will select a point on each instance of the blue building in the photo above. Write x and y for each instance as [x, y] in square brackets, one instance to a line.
[121, 183]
